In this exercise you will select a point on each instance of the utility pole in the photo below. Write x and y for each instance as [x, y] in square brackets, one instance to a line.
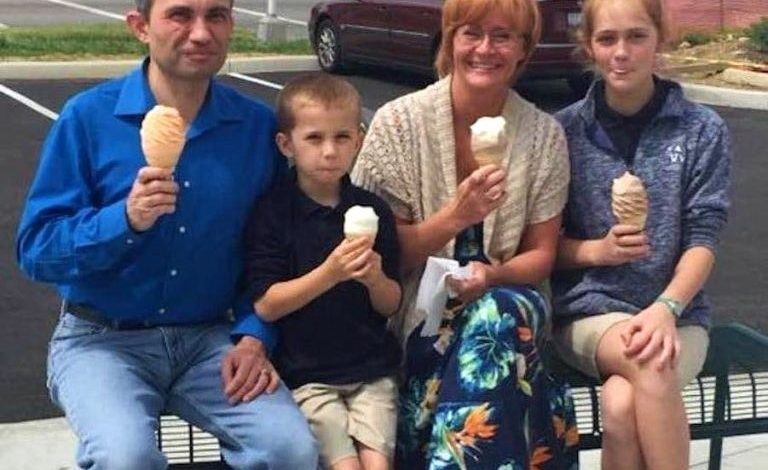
[271, 28]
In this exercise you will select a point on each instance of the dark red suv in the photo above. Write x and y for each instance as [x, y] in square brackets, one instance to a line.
[406, 34]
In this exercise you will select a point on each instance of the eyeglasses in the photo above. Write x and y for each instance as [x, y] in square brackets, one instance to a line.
[473, 36]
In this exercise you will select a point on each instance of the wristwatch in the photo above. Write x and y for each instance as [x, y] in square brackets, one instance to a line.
[673, 305]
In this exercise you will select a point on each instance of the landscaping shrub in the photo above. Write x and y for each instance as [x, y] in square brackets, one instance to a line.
[697, 38]
[758, 33]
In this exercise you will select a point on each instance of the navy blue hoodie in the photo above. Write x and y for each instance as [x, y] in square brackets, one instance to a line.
[683, 157]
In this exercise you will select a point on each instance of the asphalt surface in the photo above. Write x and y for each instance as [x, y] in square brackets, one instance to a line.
[28, 311]
[60, 12]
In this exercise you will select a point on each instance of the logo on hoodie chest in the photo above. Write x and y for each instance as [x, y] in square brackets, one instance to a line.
[675, 153]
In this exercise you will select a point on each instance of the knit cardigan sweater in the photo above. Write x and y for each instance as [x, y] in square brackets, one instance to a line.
[409, 159]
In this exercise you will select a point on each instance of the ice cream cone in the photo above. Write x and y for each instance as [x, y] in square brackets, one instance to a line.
[360, 221]
[629, 200]
[489, 140]
[163, 133]
[489, 156]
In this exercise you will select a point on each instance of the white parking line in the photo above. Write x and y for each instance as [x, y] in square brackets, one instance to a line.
[260, 15]
[367, 113]
[247, 78]
[29, 102]
[34, 105]
[95, 11]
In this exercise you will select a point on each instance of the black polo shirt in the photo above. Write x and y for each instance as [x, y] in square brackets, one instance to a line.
[337, 338]
[625, 131]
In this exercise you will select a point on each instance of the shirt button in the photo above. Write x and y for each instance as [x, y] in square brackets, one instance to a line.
[174, 272]
[129, 241]
[161, 311]
[186, 184]
[182, 229]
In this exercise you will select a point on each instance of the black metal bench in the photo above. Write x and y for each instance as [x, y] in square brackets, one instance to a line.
[188, 447]
[728, 398]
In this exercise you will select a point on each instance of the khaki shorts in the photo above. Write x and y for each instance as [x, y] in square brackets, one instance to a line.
[577, 342]
[339, 415]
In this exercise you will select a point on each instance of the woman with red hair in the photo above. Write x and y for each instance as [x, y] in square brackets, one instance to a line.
[476, 394]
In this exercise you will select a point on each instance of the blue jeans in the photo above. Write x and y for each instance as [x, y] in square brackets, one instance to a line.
[113, 385]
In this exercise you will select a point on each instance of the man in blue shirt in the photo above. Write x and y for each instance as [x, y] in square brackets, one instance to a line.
[147, 260]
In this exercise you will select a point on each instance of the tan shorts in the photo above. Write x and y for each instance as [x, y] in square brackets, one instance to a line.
[339, 415]
[577, 342]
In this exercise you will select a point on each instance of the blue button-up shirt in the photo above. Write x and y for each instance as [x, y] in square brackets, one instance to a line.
[74, 230]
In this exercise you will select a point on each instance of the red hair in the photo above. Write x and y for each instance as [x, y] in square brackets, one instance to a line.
[523, 15]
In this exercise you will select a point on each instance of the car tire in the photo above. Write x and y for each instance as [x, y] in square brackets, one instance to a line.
[328, 47]
[580, 84]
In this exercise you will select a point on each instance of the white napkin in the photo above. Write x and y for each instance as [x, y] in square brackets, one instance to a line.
[433, 292]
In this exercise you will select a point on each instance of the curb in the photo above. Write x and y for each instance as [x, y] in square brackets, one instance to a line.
[746, 77]
[100, 69]
[726, 97]
[298, 63]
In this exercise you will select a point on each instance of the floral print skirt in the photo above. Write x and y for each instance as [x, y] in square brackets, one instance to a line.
[476, 395]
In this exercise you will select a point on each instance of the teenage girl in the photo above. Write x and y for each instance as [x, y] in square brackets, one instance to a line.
[628, 300]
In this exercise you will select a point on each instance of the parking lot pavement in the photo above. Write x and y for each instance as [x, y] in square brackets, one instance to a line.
[737, 288]
[20, 13]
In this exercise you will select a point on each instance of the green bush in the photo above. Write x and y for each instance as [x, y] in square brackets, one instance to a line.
[758, 33]
[697, 38]
[115, 40]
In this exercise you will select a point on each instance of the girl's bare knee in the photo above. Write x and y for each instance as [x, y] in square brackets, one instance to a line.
[656, 384]
[349, 463]
[617, 407]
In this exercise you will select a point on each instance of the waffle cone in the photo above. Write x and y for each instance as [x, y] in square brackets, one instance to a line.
[629, 201]
[489, 156]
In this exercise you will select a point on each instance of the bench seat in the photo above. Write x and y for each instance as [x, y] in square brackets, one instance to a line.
[728, 398]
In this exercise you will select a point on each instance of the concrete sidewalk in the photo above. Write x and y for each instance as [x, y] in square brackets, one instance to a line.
[50, 445]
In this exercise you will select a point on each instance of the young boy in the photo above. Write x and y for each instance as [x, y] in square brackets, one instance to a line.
[329, 296]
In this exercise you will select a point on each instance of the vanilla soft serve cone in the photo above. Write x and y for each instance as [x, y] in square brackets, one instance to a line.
[629, 200]
[360, 221]
[163, 133]
[489, 140]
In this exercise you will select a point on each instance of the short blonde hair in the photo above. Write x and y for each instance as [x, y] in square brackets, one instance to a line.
[314, 88]
[522, 14]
